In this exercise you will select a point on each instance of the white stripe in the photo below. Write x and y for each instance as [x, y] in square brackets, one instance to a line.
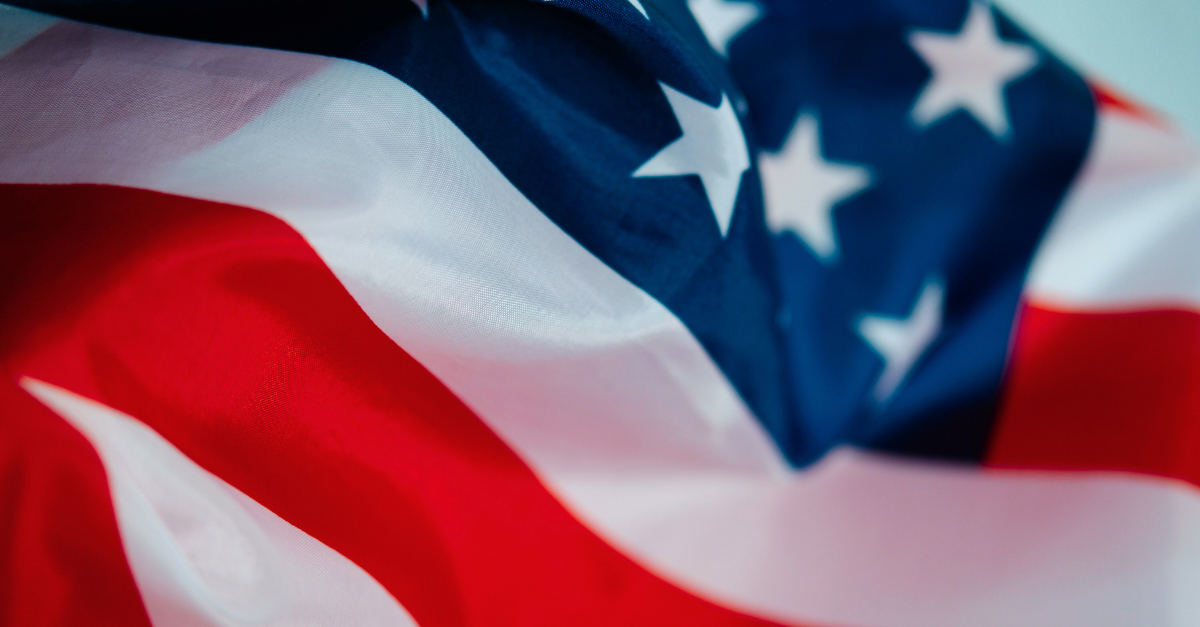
[1126, 237]
[863, 540]
[626, 419]
[204, 554]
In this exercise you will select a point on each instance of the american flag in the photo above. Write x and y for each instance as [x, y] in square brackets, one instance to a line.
[463, 313]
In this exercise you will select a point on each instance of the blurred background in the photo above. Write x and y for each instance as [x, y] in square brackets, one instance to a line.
[1147, 49]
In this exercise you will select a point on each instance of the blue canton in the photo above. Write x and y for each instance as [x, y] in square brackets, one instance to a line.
[951, 206]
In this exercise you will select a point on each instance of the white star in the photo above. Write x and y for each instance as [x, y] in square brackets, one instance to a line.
[722, 19]
[423, 5]
[801, 188]
[970, 71]
[637, 4]
[712, 147]
[901, 341]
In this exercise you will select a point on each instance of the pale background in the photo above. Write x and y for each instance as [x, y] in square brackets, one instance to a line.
[1147, 49]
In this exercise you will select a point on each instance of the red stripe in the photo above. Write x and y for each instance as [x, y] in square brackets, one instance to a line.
[1103, 391]
[1109, 99]
[222, 329]
[61, 559]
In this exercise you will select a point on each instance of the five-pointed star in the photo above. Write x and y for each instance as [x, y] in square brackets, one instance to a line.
[801, 188]
[712, 147]
[722, 19]
[970, 71]
[423, 5]
[637, 4]
[901, 341]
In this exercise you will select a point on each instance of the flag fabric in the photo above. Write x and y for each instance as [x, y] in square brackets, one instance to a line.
[473, 313]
